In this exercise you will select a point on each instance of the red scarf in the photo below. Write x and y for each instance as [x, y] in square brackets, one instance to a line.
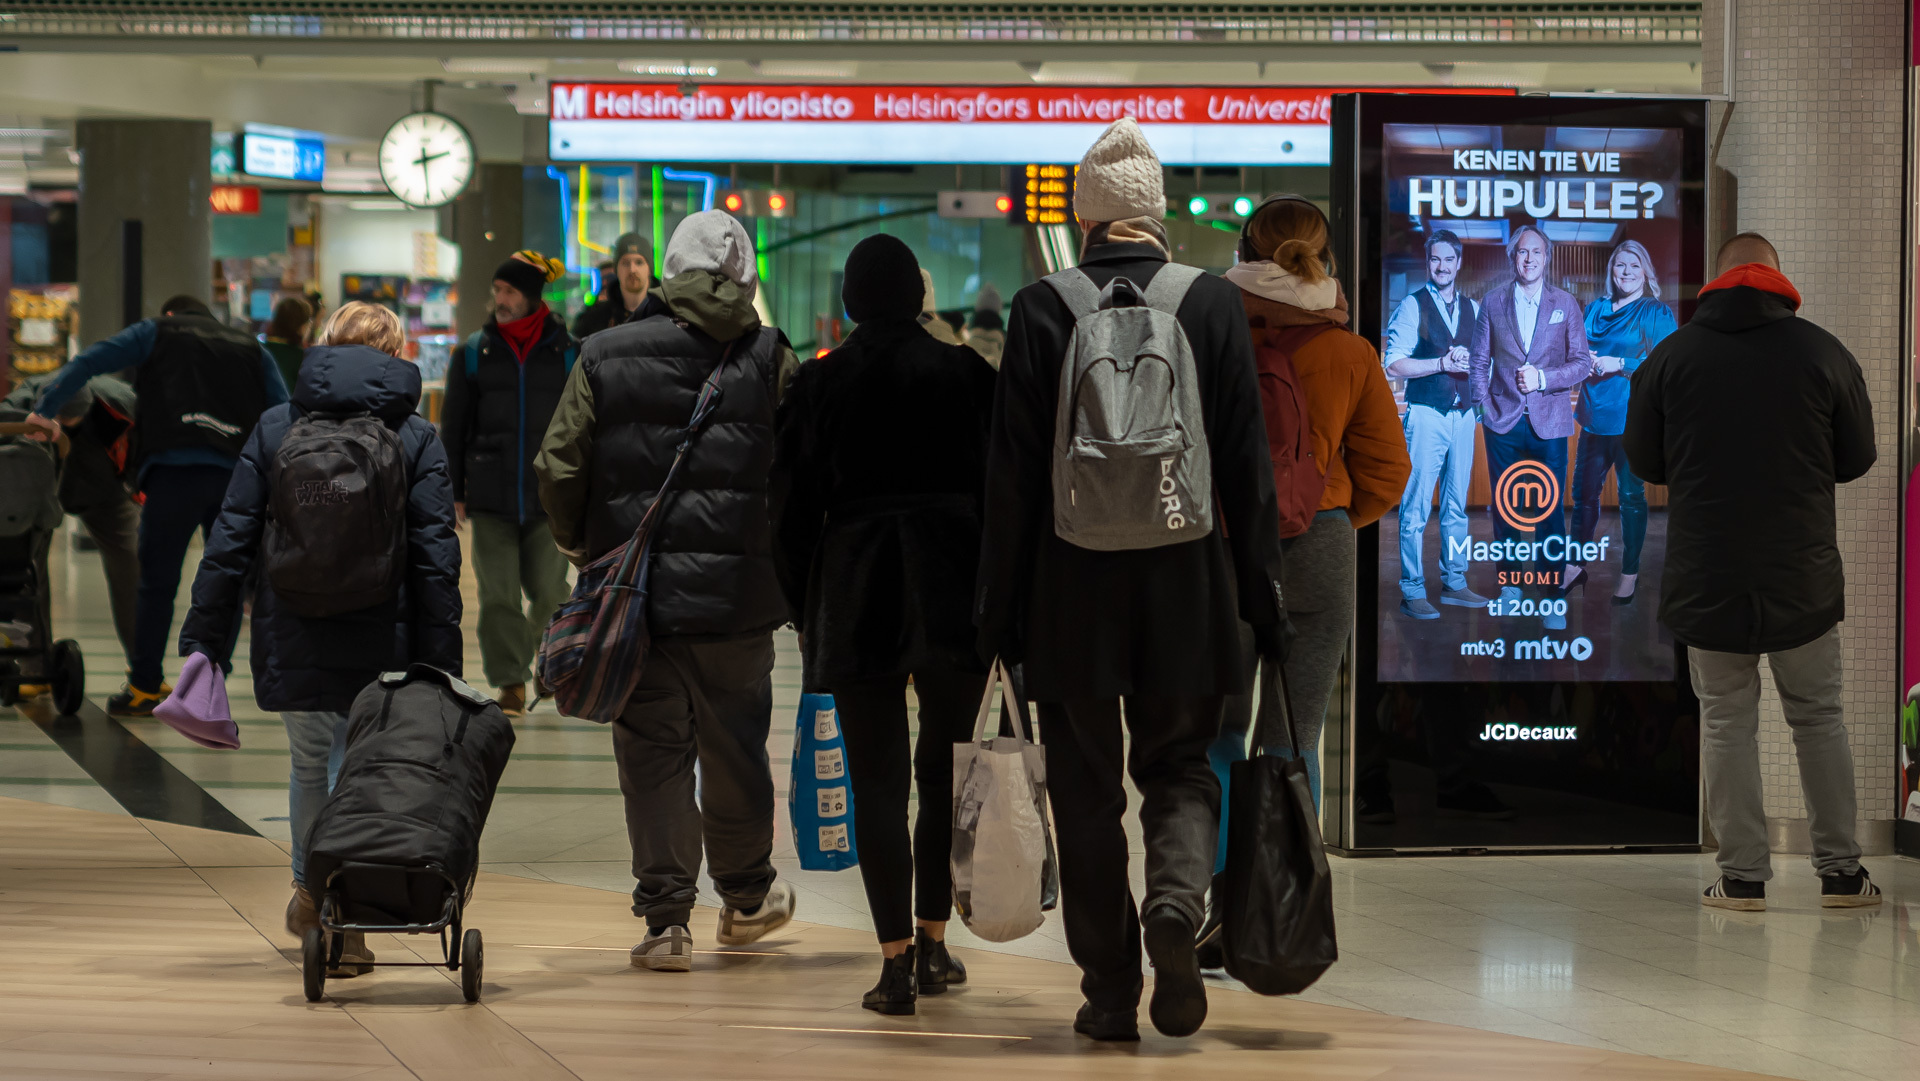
[524, 333]
[1760, 276]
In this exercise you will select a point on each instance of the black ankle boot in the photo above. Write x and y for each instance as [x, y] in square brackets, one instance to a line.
[938, 968]
[1210, 944]
[895, 992]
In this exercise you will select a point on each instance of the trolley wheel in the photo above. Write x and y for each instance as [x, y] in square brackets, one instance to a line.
[472, 958]
[69, 677]
[313, 963]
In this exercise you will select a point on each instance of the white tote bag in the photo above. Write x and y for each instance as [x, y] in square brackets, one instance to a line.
[1005, 875]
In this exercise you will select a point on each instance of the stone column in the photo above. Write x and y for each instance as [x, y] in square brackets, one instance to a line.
[486, 225]
[156, 173]
[1817, 148]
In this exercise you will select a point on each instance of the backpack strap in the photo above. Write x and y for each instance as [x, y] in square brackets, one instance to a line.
[1169, 286]
[1082, 297]
[472, 352]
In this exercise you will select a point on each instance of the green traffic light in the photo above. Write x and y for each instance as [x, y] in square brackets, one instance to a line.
[1243, 206]
[1197, 205]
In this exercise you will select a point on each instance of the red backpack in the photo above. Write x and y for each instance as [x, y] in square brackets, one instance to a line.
[1298, 479]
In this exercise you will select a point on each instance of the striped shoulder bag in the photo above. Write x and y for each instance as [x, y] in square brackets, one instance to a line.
[593, 652]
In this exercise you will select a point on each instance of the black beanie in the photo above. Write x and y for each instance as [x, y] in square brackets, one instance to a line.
[882, 280]
[529, 278]
[632, 244]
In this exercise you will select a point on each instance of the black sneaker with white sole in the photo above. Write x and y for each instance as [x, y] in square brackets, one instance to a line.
[1848, 891]
[1736, 894]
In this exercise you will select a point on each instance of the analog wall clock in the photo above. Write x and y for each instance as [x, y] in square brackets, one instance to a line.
[426, 159]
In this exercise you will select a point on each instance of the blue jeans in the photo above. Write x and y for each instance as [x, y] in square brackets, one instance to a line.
[317, 743]
[1441, 446]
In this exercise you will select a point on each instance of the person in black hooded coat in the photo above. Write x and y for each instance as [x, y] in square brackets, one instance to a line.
[310, 669]
[879, 466]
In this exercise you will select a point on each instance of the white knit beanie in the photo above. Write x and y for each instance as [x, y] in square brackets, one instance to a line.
[1120, 177]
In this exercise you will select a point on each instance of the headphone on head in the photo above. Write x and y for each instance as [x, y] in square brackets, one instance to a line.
[1247, 252]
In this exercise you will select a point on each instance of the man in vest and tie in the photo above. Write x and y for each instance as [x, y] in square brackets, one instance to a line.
[1428, 345]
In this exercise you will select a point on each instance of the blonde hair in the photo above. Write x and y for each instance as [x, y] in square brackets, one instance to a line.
[360, 323]
[1638, 251]
[1293, 235]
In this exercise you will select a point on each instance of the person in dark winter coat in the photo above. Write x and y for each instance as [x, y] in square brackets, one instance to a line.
[99, 421]
[706, 692]
[502, 388]
[1751, 415]
[627, 295]
[877, 477]
[1159, 627]
[310, 669]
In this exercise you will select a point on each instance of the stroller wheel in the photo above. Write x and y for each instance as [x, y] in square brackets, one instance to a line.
[69, 677]
[472, 956]
[313, 963]
[9, 693]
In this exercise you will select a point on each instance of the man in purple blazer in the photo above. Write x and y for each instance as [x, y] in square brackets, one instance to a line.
[1529, 352]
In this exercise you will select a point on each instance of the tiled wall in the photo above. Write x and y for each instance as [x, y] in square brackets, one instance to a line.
[1817, 144]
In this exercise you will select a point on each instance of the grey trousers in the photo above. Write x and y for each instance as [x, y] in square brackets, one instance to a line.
[116, 529]
[710, 702]
[1808, 678]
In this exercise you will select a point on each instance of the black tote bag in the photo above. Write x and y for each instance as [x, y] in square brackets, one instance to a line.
[1278, 922]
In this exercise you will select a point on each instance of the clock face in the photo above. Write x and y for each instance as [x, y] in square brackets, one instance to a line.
[426, 159]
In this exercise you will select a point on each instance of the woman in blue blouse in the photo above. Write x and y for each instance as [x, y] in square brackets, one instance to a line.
[1623, 326]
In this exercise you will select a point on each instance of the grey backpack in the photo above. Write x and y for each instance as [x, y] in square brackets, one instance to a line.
[1130, 461]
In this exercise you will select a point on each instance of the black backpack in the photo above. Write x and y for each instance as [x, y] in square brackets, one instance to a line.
[337, 515]
[425, 752]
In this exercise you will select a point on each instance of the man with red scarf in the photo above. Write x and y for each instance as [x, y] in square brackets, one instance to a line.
[1751, 415]
[502, 388]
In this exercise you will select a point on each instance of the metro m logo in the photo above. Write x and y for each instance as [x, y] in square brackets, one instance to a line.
[569, 101]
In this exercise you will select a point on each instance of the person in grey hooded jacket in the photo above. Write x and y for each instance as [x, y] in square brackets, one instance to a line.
[706, 693]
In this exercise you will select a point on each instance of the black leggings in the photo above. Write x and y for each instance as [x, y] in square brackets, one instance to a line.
[873, 714]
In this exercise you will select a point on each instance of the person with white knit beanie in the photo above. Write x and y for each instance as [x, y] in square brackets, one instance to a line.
[1154, 630]
[1120, 192]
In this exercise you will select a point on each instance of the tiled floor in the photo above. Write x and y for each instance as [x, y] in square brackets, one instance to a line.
[1608, 951]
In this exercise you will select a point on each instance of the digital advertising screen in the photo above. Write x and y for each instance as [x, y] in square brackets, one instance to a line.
[1525, 548]
[1515, 261]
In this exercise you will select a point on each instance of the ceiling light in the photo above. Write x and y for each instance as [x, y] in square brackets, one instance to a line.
[494, 65]
[806, 69]
[668, 67]
[1087, 73]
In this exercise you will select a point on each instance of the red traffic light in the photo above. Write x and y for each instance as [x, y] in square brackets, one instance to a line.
[734, 202]
[1003, 204]
[776, 202]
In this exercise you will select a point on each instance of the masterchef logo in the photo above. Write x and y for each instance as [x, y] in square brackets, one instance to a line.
[943, 104]
[1526, 494]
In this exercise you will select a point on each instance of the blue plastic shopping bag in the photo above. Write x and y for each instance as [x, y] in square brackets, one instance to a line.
[821, 798]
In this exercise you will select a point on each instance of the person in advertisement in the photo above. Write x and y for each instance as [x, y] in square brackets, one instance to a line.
[1429, 344]
[1529, 352]
[1751, 416]
[1623, 325]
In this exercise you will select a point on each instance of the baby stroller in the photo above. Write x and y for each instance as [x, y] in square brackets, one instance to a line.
[396, 848]
[29, 515]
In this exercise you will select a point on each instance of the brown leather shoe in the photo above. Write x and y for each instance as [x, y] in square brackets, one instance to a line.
[354, 958]
[513, 700]
[302, 914]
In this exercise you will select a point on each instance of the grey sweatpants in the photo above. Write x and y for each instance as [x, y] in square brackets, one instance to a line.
[710, 702]
[1808, 678]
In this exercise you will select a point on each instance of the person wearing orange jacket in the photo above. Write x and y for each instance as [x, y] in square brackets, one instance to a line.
[1285, 279]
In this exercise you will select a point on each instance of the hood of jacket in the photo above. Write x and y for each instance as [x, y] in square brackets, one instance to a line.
[356, 379]
[715, 303]
[1738, 308]
[1263, 311]
[1265, 278]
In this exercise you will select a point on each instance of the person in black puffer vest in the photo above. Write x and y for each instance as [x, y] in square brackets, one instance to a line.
[309, 669]
[715, 600]
[501, 391]
[881, 460]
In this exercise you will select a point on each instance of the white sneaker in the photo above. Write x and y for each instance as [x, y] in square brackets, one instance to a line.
[738, 928]
[669, 950]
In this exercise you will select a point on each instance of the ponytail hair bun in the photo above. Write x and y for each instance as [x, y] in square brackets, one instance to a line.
[1292, 234]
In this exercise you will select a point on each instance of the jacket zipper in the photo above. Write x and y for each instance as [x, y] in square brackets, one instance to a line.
[520, 446]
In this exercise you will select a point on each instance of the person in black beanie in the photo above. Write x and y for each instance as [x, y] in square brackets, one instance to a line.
[502, 388]
[626, 295]
[878, 469]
